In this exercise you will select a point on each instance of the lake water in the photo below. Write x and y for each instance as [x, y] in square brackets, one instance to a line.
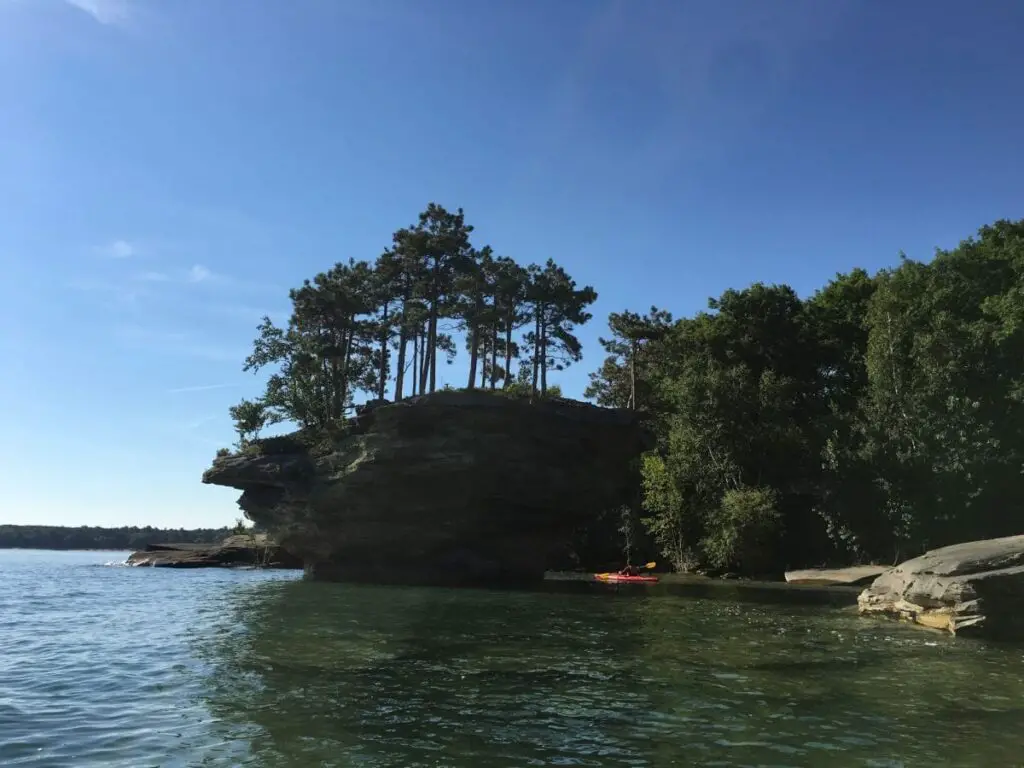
[113, 666]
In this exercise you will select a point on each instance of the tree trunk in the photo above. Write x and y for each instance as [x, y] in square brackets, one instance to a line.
[331, 403]
[494, 356]
[432, 347]
[474, 353]
[415, 361]
[508, 349]
[483, 361]
[536, 353]
[424, 357]
[400, 374]
[632, 375]
[344, 368]
[383, 383]
[544, 359]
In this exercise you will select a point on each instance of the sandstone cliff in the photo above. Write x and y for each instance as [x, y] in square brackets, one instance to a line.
[974, 588]
[453, 487]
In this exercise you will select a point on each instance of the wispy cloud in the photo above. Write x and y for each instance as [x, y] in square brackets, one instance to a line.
[148, 336]
[109, 12]
[199, 274]
[201, 422]
[249, 313]
[176, 343]
[118, 249]
[195, 274]
[199, 388]
[711, 72]
[117, 292]
[154, 277]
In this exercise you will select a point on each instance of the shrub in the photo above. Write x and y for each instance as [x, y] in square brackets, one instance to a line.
[741, 530]
[316, 442]
[672, 520]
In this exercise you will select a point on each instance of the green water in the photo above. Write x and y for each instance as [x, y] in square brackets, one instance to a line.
[139, 667]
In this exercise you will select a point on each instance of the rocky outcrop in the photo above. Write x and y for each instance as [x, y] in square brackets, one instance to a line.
[975, 588]
[233, 552]
[826, 577]
[453, 487]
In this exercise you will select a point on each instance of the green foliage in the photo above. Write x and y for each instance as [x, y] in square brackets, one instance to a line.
[674, 526]
[518, 390]
[879, 417]
[625, 377]
[92, 537]
[312, 441]
[249, 417]
[556, 307]
[740, 531]
[223, 452]
[348, 323]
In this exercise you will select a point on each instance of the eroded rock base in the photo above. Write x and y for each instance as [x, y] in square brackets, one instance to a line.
[974, 589]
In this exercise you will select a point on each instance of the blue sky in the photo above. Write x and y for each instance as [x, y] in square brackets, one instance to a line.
[169, 169]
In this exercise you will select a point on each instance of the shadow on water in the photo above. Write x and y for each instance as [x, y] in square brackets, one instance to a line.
[332, 674]
[358, 675]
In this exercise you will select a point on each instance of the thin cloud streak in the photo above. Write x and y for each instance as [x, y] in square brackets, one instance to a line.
[118, 249]
[106, 12]
[199, 388]
[199, 274]
[154, 277]
[176, 343]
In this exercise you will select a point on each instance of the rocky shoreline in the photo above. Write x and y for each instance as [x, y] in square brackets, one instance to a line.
[238, 551]
[973, 589]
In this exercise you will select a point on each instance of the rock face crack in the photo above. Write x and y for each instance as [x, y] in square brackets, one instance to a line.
[453, 487]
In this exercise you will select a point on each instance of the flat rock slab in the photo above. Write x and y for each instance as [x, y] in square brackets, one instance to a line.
[975, 588]
[856, 574]
[233, 552]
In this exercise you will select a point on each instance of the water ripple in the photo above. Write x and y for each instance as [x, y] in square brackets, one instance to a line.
[147, 667]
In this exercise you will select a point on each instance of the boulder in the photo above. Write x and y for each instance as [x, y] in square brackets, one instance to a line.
[234, 551]
[452, 487]
[976, 588]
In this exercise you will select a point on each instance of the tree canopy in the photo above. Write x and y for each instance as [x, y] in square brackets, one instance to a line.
[92, 537]
[877, 418]
[367, 328]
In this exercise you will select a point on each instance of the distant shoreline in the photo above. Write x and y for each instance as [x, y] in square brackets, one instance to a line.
[90, 538]
[62, 549]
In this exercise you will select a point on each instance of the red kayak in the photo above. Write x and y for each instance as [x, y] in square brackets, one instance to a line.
[618, 577]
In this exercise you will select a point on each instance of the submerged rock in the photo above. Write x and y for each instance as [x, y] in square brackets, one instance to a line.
[976, 588]
[452, 487]
[233, 552]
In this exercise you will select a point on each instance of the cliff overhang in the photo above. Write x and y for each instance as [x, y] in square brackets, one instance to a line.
[451, 487]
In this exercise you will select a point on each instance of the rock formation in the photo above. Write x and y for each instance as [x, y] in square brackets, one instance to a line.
[234, 551]
[975, 588]
[452, 487]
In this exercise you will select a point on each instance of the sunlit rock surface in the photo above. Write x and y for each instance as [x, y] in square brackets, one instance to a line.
[234, 551]
[976, 588]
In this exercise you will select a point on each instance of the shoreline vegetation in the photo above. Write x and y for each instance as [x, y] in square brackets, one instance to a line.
[95, 538]
[879, 417]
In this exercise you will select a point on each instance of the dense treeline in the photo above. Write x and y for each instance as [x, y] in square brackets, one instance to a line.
[378, 328]
[879, 417]
[90, 537]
